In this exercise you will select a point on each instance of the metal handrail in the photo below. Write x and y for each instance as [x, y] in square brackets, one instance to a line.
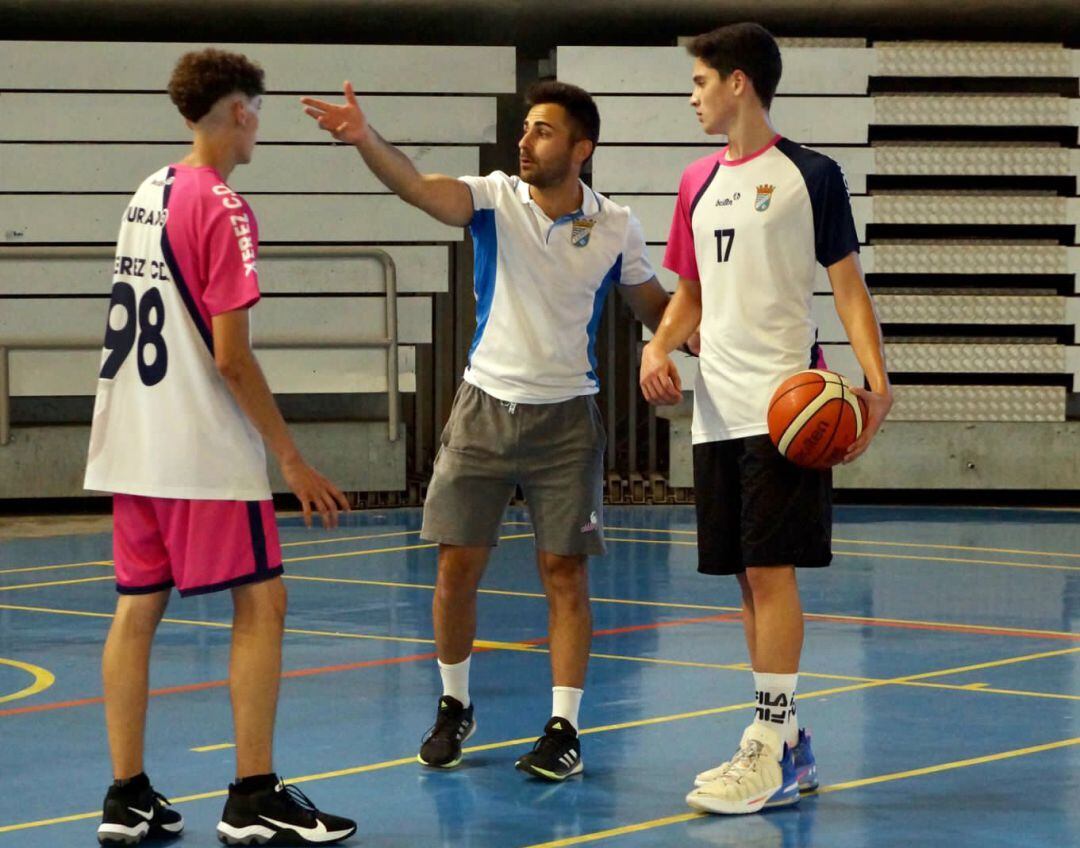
[389, 342]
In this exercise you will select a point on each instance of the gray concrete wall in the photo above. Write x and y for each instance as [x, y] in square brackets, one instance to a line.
[51, 461]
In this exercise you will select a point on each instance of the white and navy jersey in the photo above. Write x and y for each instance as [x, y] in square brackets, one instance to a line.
[540, 287]
[752, 232]
[165, 424]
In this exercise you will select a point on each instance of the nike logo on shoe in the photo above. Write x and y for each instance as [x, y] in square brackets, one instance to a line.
[319, 833]
[146, 814]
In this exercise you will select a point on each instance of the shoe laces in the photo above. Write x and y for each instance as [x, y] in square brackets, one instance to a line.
[548, 742]
[744, 761]
[297, 797]
[160, 799]
[447, 724]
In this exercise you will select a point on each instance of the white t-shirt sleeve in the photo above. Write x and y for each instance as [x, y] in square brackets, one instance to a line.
[635, 258]
[485, 190]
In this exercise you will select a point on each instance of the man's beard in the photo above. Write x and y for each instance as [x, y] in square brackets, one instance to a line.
[548, 175]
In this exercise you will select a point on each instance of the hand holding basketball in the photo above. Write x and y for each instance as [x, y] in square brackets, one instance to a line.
[815, 417]
[878, 405]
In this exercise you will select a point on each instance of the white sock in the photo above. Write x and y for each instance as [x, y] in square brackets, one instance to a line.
[455, 680]
[776, 704]
[566, 702]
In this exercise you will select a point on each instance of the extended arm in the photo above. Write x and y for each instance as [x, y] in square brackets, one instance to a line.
[444, 198]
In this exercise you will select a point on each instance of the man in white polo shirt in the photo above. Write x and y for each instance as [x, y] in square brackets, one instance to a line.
[547, 250]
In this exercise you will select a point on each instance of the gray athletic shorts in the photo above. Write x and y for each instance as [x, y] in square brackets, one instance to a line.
[554, 451]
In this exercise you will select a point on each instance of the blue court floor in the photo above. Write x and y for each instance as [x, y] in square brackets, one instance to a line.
[941, 680]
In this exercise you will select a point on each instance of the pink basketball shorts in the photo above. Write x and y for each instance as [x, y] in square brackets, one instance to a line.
[196, 546]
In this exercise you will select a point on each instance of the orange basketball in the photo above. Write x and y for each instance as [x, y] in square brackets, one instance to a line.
[814, 416]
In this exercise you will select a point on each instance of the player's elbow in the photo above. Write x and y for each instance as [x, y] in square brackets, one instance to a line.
[230, 364]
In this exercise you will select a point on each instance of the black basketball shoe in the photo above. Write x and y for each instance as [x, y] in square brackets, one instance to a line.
[279, 815]
[556, 755]
[441, 746]
[135, 811]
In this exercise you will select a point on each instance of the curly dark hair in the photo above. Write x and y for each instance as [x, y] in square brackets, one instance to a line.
[578, 103]
[746, 47]
[202, 78]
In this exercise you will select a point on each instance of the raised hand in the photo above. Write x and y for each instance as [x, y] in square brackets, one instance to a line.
[344, 121]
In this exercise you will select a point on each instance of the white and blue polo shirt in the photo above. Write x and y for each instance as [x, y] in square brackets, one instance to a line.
[540, 287]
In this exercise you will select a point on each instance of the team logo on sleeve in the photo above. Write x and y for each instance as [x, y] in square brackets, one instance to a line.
[580, 231]
[764, 197]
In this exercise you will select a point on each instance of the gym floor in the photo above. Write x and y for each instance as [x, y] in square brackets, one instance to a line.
[940, 680]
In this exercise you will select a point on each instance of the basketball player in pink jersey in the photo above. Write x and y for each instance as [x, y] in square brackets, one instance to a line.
[751, 223]
[180, 420]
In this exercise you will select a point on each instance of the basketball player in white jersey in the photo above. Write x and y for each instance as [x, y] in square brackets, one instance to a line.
[751, 223]
[181, 416]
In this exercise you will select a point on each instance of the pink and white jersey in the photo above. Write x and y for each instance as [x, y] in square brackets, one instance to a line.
[165, 424]
[752, 231]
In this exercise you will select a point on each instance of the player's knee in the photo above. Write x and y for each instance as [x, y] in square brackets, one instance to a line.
[262, 604]
[137, 616]
[764, 582]
[565, 577]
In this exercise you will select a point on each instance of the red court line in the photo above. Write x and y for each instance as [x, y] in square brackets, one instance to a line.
[728, 616]
[656, 625]
[217, 684]
[330, 669]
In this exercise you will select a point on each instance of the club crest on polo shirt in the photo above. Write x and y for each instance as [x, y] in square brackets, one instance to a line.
[764, 197]
[580, 231]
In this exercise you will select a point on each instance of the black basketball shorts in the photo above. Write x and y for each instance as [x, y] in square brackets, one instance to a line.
[755, 508]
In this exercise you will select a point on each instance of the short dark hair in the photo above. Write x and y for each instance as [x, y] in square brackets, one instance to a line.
[200, 79]
[746, 47]
[578, 103]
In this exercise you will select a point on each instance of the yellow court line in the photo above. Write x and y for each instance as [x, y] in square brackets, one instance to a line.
[350, 538]
[599, 600]
[202, 749]
[341, 554]
[960, 560]
[283, 544]
[526, 648]
[957, 764]
[512, 742]
[56, 583]
[957, 548]
[654, 824]
[741, 667]
[428, 545]
[926, 545]
[337, 555]
[852, 619]
[954, 687]
[54, 567]
[877, 555]
[43, 679]
[1028, 631]
[225, 625]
